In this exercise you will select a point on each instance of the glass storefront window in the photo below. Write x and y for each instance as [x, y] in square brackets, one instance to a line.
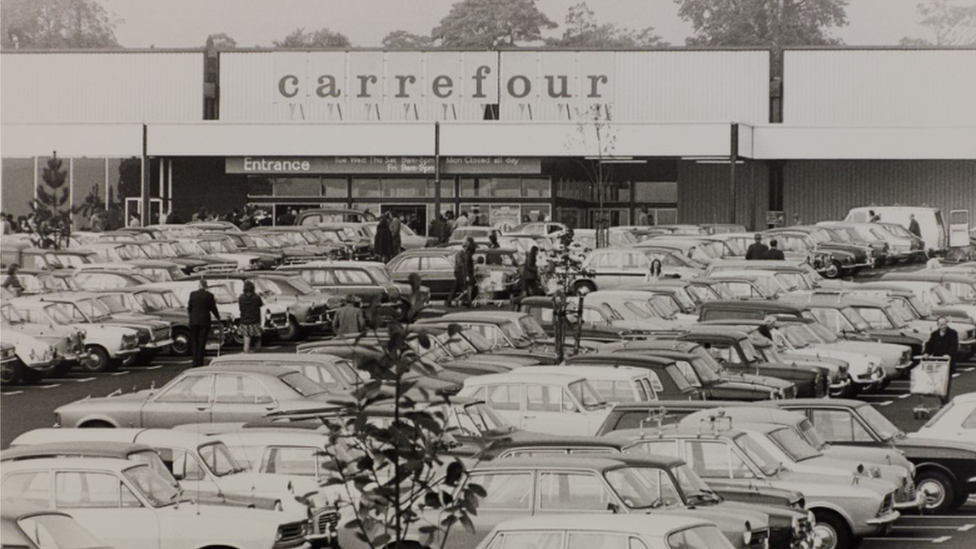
[447, 188]
[536, 212]
[297, 186]
[505, 216]
[505, 187]
[656, 191]
[665, 216]
[571, 217]
[366, 188]
[18, 185]
[405, 188]
[617, 191]
[334, 188]
[536, 188]
[88, 189]
[259, 185]
[478, 214]
[471, 187]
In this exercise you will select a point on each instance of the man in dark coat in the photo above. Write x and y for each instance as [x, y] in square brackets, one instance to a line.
[774, 252]
[913, 226]
[757, 250]
[944, 341]
[199, 307]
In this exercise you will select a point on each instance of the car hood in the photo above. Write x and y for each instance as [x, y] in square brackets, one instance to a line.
[858, 363]
[41, 330]
[889, 353]
[958, 310]
[872, 456]
[832, 486]
[730, 520]
[826, 465]
[918, 446]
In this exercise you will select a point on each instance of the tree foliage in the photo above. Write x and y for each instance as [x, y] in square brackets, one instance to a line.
[768, 23]
[951, 24]
[220, 41]
[583, 31]
[398, 480]
[491, 24]
[401, 39]
[56, 24]
[322, 38]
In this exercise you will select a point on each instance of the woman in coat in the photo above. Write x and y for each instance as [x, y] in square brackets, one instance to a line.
[383, 243]
[250, 304]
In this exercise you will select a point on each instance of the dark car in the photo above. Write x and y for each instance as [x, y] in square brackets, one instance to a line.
[598, 322]
[830, 263]
[739, 353]
[496, 271]
[945, 471]
[670, 375]
[639, 415]
[368, 281]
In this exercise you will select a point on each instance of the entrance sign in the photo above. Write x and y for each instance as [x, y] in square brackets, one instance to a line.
[400, 165]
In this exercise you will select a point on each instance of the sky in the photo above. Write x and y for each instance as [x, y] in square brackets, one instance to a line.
[187, 23]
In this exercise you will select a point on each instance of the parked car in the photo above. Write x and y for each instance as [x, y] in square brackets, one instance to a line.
[930, 221]
[23, 253]
[671, 378]
[212, 394]
[945, 471]
[616, 385]
[314, 216]
[44, 282]
[831, 263]
[41, 349]
[30, 527]
[954, 421]
[126, 504]
[599, 323]
[496, 276]
[612, 268]
[154, 269]
[365, 280]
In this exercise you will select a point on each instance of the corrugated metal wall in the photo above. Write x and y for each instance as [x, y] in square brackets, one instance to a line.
[704, 193]
[880, 87]
[824, 190]
[102, 87]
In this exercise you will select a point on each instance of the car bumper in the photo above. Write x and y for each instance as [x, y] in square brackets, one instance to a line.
[44, 365]
[122, 353]
[154, 345]
[839, 386]
[322, 527]
[884, 521]
[916, 504]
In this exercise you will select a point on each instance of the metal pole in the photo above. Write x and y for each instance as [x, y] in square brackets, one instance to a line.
[437, 172]
[733, 156]
[146, 179]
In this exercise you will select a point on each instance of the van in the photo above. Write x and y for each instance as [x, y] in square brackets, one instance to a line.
[929, 220]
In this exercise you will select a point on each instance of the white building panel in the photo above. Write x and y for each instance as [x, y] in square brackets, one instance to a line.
[890, 87]
[71, 140]
[833, 143]
[102, 87]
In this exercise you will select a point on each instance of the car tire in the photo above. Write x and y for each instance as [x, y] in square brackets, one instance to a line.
[10, 372]
[293, 332]
[30, 376]
[62, 369]
[99, 361]
[940, 485]
[181, 342]
[833, 530]
[850, 391]
[833, 271]
[96, 424]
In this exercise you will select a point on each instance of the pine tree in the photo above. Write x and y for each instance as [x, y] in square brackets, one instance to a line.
[52, 212]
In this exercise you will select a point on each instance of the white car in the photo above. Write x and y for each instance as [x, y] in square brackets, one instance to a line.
[617, 385]
[36, 357]
[128, 505]
[955, 421]
[108, 344]
[560, 404]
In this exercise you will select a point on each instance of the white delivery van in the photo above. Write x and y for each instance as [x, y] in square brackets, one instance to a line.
[929, 220]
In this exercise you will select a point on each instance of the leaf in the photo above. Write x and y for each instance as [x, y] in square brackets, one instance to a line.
[381, 540]
[477, 490]
[424, 340]
[431, 500]
[455, 470]
[468, 525]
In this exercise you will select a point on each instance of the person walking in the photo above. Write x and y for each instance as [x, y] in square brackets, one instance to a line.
[460, 276]
[530, 273]
[944, 342]
[199, 307]
[493, 241]
[471, 282]
[756, 250]
[349, 319]
[395, 228]
[654, 273]
[383, 242]
[416, 299]
[462, 220]
[250, 304]
[12, 282]
[774, 252]
[913, 226]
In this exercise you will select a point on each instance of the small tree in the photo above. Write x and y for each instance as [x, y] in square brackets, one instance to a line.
[391, 475]
[598, 138]
[51, 208]
[564, 270]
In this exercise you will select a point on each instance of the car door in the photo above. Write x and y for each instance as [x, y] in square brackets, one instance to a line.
[509, 496]
[186, 400]
[437, 272]
[103, 504]
[240, 397]
[716, 460]
[840, 426]
[506, 399]
[358, 282]
[605, 267]
[634, 267]
[550, 409]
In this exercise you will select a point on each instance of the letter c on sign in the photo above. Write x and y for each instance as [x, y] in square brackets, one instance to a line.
[286, 80]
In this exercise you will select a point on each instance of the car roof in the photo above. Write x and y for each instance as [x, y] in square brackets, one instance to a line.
[261, 369]
[90, 449]
[753, 415]
[587, 371]
[476, 316]
[272, 436]
[528, 377]
[102, 464]
[242, 359]
[620, 357]
[829, 402]
[639, 524]
[964, 398]
[322, 263]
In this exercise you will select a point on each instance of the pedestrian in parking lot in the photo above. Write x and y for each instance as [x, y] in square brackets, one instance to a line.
[250, 304]
[395, 225]
[873, 217]
[756, 250]
[416, 297]
[774, 252]
[12, 283]
[913, 226]
[944, 341]
[199, 307]
[460, 277]
[530, 273]
[654, 273]
[493, 240]
[383, 241]
[349, 319]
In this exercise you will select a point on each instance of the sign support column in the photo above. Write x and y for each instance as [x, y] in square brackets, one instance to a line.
[437, 172]
[733, 158]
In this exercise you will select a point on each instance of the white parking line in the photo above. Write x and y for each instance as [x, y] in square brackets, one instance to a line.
[156, 367]
[926, 517]
[12, 393]
[957, 374]
[885, 403]
[122, 373]
[51, 386]
[904, 396]
[967, 527]
[933, 540]
[83, 380]
[968, 369]
[943, 538]
[925, 528]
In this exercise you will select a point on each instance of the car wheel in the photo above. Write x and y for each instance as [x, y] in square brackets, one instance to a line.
[99, 361]
[583, 288]
[181, 343]
[30, 376]
[940, 494]
[130, 360]
[293, 332]
[97, 424]
[832, 530]
[850, 391]
[61, 370]
[10, 372]
[833, 270]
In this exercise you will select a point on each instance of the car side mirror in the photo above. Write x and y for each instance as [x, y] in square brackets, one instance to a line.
[613, 508]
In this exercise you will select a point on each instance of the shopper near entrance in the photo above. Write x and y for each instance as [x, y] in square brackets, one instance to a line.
[756, 250]
[462, 220]
[530, 273]
[644, 217]
[944, 342]
[349, 319]
[250, 304]
[199, 307]
[774, 252]
[383, 242]
[913, 226]
[395, 225]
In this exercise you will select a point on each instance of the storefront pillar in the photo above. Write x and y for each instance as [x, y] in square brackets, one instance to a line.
[437, 172]
[733, 158]
[145, 181]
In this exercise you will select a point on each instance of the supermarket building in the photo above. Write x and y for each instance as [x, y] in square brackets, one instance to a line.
[691, 135]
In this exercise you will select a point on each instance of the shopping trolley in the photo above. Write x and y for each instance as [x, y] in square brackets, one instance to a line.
[930, 379]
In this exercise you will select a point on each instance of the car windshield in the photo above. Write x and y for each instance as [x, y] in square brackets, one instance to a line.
[707, 375]
[811, 435]
[661, 306]
[301, 384]
[56, 314]
[760, 457]
[945, 297]
[379, 275]
[300, 285]
[642, 487]
[218, 459]
[821, 331]
[878, 422]
[856, 319]
[796, 244]
[903, 309]
[531, 327]
[794, 446]
[795, 336]
[223, 295]
[587, 395]
[116, 304]
[691, 484]
[11, 315]
[749, 350]
[477, 419]
[55, 531]
[153, 487]
[700, 294]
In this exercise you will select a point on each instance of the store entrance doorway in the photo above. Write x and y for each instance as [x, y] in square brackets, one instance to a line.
[413, 216]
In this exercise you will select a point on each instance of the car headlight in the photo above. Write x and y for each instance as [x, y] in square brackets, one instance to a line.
[875, 472]
[278, 535]
[877, 371]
